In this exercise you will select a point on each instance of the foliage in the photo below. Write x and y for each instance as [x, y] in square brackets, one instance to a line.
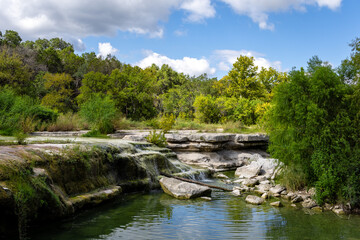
[99, 113]
[21, 113]
[95, 133]
[13, 72]
[293, 177]
[158, 139]
[313, 129]
[66, 122]
[167, 122]
[59, 92]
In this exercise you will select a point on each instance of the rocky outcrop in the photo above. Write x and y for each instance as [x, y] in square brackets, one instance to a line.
[183, 190]
[56, 180]
[210, 142]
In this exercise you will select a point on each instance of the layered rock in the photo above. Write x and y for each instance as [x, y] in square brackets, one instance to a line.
[69, 177]
[183, 190]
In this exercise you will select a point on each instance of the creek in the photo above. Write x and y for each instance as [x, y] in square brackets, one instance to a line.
[156, 215]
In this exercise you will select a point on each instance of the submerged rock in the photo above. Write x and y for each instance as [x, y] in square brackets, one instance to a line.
[183, 190]
[252, 199]
[276, 204]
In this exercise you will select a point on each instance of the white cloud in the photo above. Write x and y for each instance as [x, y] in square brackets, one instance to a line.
[82, 18]
[226, 58]
[198, 9]
[105, 49]
[258, 10]
[187, 65]
[180, 33]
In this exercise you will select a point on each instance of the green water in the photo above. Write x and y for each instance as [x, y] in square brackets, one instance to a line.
[159, 216]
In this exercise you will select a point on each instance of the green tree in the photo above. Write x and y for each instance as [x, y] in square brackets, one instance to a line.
[242, 79]
[313, 128]
[59, 92]
[14, 73]
[270, 78]
[11, 38]
[93, 83]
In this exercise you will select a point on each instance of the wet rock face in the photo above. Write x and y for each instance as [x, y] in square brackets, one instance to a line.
[183, 190]
[69, 177]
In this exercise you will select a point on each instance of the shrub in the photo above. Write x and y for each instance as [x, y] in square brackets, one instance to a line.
[167, 122]
[66, 122]
[157, 138]
[21, 113]
[313, 125]
[99, 113]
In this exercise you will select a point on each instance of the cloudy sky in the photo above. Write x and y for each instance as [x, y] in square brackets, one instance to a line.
[193, 36]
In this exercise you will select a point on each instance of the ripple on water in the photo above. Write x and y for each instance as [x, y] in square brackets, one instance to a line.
[158, 216]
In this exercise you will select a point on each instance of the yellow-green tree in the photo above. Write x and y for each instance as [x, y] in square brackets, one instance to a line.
[13, 72]
[59, 92]
[243, 81]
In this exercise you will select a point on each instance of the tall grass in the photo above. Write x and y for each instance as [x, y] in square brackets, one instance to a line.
[67, 122]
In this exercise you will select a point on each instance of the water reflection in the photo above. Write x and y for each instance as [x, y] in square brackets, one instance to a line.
[158, 216]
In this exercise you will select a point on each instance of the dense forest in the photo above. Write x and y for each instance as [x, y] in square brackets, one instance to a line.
[312, 115]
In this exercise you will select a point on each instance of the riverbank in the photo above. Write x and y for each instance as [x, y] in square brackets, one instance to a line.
[54, 177]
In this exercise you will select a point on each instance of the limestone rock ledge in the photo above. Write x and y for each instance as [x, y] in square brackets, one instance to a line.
[41, 182]
[183, 190]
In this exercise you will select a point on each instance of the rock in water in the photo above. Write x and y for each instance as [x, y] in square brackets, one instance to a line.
[276, 204]
[183, 190]
[254, 200]
[249, 171]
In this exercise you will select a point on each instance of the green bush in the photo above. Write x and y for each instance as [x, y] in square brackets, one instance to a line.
[21, 113]
[157, 138]
[313, 127]
[99, 113]
[167, 122]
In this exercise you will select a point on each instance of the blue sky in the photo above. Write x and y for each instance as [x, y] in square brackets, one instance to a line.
[194, 36]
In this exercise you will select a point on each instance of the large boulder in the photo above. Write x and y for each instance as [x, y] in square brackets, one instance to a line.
[183, 190]
[268, 165]
[252, 199]
[249, 171]
[277, 189]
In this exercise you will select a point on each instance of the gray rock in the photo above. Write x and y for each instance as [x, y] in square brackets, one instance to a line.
[297, 199]
[277, 189]
[250, 182]
[309, 203]
[265, 196]
[236, 192]
[254, 200]
[206, 198]
[264, 187]
[211, 137]
[339, 211]
[249, 171]
[221, 175]
[276, 204]
[251, 138]
[212, 160]
[176, 138]
[183, 190]
[136, 138]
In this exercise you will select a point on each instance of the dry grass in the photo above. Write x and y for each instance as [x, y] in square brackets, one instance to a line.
[67, 122]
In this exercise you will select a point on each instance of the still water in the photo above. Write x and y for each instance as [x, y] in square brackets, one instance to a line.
[159, 216]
